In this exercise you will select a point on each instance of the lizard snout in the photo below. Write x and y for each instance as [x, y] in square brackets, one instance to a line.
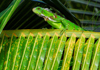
[33, 9]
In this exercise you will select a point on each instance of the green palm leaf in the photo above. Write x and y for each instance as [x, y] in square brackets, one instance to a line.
[36, 49]
[68, 52]
[7, 13]
[78, 52]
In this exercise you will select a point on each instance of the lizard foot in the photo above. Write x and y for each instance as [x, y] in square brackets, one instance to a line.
[63, 31]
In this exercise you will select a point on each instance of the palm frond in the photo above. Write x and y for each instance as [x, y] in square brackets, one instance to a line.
[45, 49]
[7, 13]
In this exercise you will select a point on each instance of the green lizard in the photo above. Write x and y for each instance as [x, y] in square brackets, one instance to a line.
[55, 20]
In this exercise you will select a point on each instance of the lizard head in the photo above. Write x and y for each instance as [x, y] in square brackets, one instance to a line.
[44, 12]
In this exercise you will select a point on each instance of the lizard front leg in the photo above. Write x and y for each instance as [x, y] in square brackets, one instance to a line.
[64, 24]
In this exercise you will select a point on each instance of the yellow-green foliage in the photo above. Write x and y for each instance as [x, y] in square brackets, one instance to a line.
[39, 49]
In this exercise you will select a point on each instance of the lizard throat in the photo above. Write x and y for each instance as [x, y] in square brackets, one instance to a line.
[48, 18]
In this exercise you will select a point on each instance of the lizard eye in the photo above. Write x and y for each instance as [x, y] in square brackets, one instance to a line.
[38, 8]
